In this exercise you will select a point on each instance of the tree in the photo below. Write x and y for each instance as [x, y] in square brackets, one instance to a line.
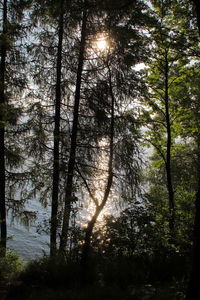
[117, 64]
[12, 82]
[170, 49]
[193, 286]
[54, 75]
[195, 269]
[100, 205]
[197, 8]
[73, 145]
[56, 156]
[4, 47]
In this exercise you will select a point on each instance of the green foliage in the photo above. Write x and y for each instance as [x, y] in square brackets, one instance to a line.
[10, 268]
[9, 114]
[133, 248]
[185, 190]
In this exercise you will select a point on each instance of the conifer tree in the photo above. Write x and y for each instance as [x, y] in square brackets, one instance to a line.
[56, 156]
[12, 81]
[73, 145]
[4, 46]
[111, 90]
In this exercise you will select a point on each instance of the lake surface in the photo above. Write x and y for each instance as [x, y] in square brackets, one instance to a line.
[28, 238]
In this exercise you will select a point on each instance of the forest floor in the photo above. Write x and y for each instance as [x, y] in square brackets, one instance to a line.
[159, 291]
[120, 279]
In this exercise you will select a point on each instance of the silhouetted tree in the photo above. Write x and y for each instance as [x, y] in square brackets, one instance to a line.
[12, 82]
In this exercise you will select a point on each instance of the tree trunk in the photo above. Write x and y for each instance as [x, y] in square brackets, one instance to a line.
[88, 234]
[2, 134]
[193, 287]
[73, 146]
[168, 154]
[56, 157]
[87, 241]
[197, 7]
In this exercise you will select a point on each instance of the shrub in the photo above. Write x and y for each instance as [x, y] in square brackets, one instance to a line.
[125, 271]
[10, 267]
[55, 273]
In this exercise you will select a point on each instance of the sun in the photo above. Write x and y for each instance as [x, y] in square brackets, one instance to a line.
[102, 44]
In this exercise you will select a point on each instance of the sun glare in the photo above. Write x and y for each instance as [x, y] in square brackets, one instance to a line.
[98, 189]
[102, 44]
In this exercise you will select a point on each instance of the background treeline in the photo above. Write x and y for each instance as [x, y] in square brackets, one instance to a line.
[82, 127]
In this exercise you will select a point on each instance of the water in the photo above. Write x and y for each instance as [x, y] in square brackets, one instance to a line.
[28, 245]
[28, 238]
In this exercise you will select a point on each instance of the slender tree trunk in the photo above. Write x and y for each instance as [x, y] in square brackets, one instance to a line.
[2, 134]
[197, 7]
[193, 287]
[56, 157]
[168, 154]
[88, 234]
[72, 155]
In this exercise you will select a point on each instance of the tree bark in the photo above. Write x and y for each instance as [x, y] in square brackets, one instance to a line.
[3, 50]
[73, 146]
[194, 282]
[56, 156]
[197, 7]
[168, 153]
[88, 234]
[193, 287]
